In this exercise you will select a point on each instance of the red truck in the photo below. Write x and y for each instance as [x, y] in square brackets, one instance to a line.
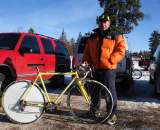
[144, 62]
[19, 50]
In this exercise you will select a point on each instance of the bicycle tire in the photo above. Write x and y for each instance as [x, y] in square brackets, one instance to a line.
[11, 102]
[83, 111]
[136, 74]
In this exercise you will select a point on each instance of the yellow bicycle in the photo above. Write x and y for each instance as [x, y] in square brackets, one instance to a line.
[25, 101]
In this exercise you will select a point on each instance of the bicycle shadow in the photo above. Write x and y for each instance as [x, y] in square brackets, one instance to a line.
[4, 118]
[59, 115]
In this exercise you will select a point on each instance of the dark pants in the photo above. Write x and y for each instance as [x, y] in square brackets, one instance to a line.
[106, 77]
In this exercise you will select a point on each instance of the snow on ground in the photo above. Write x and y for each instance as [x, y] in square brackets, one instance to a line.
[143, 96]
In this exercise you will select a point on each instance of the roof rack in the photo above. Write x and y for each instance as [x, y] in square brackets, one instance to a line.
[43, 35]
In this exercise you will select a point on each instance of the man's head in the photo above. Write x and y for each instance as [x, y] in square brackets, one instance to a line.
[104, 22]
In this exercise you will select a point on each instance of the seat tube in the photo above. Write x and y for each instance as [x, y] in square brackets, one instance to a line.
[44, 87]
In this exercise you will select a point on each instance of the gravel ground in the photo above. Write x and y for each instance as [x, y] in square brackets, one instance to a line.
[132, 115]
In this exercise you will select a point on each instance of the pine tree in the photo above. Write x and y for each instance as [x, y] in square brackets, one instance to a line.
[154, 41]
[31, 30]
[63, 36]
[72, 41]
[79, 37]
[124, 14]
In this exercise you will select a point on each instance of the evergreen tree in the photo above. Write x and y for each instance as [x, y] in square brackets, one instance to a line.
[154, 41]
[31, 30]
[79, 37]
[125, 14]
[63, 36]
[72, 41]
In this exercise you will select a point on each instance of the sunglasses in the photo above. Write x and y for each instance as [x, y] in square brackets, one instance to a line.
[104, 18]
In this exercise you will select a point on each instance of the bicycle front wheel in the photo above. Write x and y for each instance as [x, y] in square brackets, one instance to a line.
[11, 102]
[136, 74]
[99, 107]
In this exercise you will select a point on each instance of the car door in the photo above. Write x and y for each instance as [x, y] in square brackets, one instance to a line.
[49, 54]
[62, 57]
[29, 52]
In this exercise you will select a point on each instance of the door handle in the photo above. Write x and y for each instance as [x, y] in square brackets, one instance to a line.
[41, 59]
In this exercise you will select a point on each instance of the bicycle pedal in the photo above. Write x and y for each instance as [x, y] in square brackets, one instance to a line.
[51, 107]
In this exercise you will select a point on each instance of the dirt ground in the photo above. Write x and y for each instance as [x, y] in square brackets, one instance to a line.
[138, 117]
[127, 120]
[133, 114]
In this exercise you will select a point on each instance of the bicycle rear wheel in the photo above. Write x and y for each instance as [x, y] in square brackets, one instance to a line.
[11, 100]
[136, 74]
[86, 112]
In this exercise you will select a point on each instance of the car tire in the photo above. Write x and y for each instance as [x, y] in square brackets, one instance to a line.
[2, 83]
[126, 86]
[151, 80]
[157, 85]
[57, 81]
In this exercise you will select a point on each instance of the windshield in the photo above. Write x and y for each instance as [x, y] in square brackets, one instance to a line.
[8, 41]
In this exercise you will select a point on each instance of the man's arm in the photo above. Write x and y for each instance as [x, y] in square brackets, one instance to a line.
[119, 50]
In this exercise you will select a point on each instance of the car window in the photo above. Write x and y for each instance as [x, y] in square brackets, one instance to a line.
[60, 49]
[8, 41]
[47, 45]
[30, 45]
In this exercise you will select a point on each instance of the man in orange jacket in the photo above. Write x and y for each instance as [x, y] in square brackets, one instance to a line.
[104, 50]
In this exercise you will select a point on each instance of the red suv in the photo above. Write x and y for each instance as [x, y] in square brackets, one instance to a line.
[19, 50]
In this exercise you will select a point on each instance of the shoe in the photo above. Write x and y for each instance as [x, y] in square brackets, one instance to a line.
[112, 120]
[97, 113]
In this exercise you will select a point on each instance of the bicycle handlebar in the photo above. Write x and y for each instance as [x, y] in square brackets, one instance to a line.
[84, 70]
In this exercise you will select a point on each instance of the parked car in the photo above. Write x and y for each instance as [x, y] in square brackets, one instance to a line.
[19, 50]
[124, 80]
[151, 69]
[62, 63]
[154, 70]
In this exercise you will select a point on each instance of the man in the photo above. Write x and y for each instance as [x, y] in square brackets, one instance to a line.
[104, 50]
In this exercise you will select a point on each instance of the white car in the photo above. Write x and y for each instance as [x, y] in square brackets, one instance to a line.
[154, 70]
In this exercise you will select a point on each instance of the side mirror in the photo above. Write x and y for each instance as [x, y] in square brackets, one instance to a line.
[152, 58]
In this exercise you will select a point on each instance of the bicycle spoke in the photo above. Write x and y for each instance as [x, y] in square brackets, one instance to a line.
[101, 105]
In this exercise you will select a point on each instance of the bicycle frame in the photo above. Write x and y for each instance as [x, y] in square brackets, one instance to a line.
[57, 100]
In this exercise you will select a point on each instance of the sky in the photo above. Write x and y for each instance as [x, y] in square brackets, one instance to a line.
[50, 17]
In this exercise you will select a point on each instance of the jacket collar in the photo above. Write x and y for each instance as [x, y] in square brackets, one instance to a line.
[106, 34]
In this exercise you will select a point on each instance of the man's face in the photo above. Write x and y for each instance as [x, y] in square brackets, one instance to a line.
[104, 25]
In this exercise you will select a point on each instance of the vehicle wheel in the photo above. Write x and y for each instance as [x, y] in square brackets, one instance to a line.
[136, 74]
[2, 78]
[126, 85]
[157, 86]
[84, 111]
[57, 80]
[11, 100]
[151, 80]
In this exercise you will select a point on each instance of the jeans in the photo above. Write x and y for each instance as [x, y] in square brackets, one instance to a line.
[106, 77]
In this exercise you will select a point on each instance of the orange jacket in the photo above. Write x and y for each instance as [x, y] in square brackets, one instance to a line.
[107, 55]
